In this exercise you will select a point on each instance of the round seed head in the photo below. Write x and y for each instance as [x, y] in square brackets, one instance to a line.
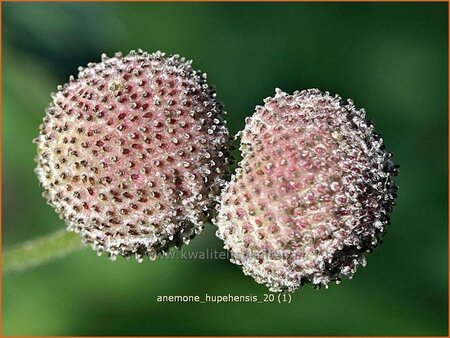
[132, 154]
[312, 194]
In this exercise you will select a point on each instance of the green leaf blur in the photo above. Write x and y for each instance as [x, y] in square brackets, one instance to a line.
[390, 58]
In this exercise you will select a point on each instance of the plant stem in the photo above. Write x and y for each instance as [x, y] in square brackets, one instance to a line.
[40, 250]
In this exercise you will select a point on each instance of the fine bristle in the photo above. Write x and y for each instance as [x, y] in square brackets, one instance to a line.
[312, 194]
[133, 153]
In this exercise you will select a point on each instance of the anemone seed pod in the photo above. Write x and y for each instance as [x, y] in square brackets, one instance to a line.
[132, 154]
[312, 194]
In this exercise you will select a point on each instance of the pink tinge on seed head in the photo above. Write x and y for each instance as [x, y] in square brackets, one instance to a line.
[311, 195]
[132, 154]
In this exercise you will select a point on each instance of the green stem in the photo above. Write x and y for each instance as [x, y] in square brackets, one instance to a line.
[40, 251]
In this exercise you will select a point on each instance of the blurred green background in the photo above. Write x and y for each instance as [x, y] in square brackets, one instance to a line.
[391, 58]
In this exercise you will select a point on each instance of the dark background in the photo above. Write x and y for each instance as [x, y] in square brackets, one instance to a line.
[391, 58]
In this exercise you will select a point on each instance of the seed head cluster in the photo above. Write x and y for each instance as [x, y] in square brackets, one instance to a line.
[132, 154]
[312, 194]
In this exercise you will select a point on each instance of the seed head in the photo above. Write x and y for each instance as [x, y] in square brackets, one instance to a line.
[132, 153]
[312, 194]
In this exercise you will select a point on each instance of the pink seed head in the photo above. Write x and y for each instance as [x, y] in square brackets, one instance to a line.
[311, 195]
[132, 154]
